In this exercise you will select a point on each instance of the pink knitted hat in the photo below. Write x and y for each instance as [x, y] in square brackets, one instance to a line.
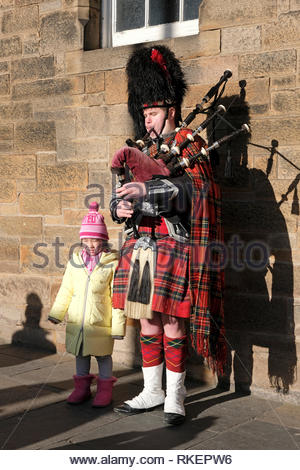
[93, 225]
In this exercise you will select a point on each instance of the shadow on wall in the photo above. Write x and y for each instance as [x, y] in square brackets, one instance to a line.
[32, 335]
[259, 268]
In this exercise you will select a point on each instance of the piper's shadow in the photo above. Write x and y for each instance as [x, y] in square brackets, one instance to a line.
[259, 267]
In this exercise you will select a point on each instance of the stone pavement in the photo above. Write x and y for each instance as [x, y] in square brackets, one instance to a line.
[34, 414]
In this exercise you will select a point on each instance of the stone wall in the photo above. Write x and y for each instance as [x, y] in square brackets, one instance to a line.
[63, 113]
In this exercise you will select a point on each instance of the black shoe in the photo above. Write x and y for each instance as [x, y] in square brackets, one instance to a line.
[223, 385]
[242, 388]
[173, 419]
[128, 410]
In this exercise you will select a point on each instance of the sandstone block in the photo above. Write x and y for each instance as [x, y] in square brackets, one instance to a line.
[50, 6]
[65, 177]
[295, 4]
[286, 102]
[6, 132]
[15, 111]
[43, 88]
[92, 148]
[10, 46]
[21, 19]
[53, 220]
[65, 136]
[119, 121]
[6, 147]
[19, 288]
[87, 100]
[4, 84]
[94, 82]
[268, 63]
[5, 4]
[286, 131]
[112, 120]
[97, 60]
[218, 13]
[21, 226]
[8, 191]
[69, 199]
[26, 186]
[285, 170]
[32, 68]
[68, 236]
[59, 30]
[44, 258]
[288, 81]
[9, 249]
[31, 46]
[9, 209]
[115, 87]
[205, 44]
[3, 67]
[74, 216]
[46, 158]
[40, 204]
[283, 6]
[209, 70]
[283, 32]
[242, 39]
[35, 135]
[116, 142]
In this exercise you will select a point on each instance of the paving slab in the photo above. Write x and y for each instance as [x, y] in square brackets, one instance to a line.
[254, 435]
[288, 415]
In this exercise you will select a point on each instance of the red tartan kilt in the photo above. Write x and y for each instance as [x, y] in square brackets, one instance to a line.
[171, 286]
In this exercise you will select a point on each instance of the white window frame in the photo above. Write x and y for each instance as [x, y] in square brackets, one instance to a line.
[112, 38]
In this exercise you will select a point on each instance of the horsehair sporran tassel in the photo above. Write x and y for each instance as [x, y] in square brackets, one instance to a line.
[134, 281]
[138, 302]
[145, 287]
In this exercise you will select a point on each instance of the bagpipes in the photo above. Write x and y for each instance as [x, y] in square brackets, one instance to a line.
[169, 162]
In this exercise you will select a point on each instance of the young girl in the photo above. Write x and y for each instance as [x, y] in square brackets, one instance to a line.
[92, 324]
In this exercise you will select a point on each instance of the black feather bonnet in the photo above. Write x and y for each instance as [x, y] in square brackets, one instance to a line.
[155, 79]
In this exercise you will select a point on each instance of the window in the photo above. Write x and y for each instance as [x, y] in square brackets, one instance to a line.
[137, 21]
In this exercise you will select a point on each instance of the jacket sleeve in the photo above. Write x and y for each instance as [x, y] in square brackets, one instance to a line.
[118, 322]
[170, 193]
[63, 298]
[113, 209]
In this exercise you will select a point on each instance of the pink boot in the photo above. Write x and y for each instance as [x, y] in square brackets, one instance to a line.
[104, 391]
[82, 390]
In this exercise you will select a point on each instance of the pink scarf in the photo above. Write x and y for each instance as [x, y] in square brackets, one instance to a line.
[90, 261]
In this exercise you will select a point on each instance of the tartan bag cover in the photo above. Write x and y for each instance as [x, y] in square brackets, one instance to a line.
[206, 270]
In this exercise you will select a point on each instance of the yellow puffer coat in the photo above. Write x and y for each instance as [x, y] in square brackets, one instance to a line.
[87, 299]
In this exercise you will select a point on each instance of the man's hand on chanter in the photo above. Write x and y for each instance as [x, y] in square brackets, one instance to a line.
[132, 191]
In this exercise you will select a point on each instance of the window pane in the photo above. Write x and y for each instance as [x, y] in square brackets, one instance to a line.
[191, 9]
[130, 14]
[163, 11]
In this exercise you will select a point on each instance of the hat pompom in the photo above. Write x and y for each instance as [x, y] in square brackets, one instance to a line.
[94, 206]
